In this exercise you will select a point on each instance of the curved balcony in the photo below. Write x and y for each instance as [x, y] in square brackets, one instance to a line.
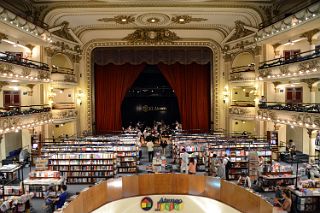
[303, 65]
[63, 75]
[299, 115]
[167, 184]
[14, 118]
[244, 110]
[243, 73]
[21, 69]
[60, 116]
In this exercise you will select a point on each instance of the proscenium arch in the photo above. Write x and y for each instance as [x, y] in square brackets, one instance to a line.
[88, 80]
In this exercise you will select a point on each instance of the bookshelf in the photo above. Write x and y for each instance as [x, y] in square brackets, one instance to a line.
[38, 182]
[127, 154]
[243, 154]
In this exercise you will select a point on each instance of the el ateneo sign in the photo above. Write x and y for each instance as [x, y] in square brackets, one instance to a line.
[146, 108]
[164, 204]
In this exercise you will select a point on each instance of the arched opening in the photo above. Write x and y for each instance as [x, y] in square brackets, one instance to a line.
[150, 99]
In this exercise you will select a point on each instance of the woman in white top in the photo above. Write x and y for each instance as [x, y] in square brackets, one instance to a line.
[150, 150]
[184, 161]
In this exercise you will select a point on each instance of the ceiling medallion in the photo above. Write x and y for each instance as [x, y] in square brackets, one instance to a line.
[120, 19]
[152, 19]
[152, 36]
[184, 19]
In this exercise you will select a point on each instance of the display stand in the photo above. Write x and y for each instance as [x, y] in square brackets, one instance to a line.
[306, 199]
[38, 182]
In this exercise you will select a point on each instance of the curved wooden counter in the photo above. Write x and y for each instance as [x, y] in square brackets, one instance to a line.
[151, 184]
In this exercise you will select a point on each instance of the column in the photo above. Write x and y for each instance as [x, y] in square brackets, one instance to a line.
[226, 88]
[312, 148]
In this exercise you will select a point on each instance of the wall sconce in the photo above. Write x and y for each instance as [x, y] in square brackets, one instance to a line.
[225, 95]
[79, 97]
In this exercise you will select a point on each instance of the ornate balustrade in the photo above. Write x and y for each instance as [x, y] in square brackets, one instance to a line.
[302, 65]
[241, 112]
[62, 74]
[64, 115]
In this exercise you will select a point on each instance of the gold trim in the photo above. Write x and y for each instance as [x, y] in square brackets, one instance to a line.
[216, 104]
[153, 36]
[120, 19]
[184, 19]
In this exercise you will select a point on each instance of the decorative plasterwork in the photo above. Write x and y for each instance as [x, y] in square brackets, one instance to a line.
[184, 19]
[3, 36]
[63, 31]
[17, 72]
[2, 84]
[120, 19]
[13, 123]
[310, 34]
[152, 36]
[304, 16]
[310, 81]
[240, 31]
[298, 119]
[238, 110]
[64, 115]
[216, 101]
[301, 69]
[153, 19]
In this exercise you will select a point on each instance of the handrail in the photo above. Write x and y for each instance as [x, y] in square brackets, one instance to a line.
[282, 16]
[16, 110]
[6, 57]
[297, 107]
[152, 184]
[63, 70]
[248, 68]
[295, 58]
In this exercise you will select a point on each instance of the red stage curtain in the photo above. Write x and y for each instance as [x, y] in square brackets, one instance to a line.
[191, 84]
[111, 85]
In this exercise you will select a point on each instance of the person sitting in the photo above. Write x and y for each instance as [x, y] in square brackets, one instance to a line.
[244, 180]
[287, 202]
[62, 197]
[49, 196]
[192, 166]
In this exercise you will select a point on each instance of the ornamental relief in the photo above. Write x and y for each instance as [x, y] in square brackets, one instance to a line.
[64, 114]
[6, 68]
[236, 77]
[152, 36]
[26, 71]
[9, 122]
[238, 111]
[43, 75]
[306, 118]
[70, 78]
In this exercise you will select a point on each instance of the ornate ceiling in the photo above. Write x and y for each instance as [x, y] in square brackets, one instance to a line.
[116, 19]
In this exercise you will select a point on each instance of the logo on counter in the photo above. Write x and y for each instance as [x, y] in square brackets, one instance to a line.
[165, 204]
[146, 203]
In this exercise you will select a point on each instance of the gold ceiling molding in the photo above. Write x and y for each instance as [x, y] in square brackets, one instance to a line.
[3, 36]
[216, 101]
[120, 19]
[153, 36]
[184, 19]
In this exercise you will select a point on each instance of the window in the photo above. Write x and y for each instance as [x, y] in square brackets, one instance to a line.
[11, 98]
[289, 54]
[294, 95]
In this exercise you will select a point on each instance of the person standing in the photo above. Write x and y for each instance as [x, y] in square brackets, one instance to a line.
[163, 145]
[150, 146]
[227, 165]
[221, 169]
[214, 165]
[184, 161]
[192, 168]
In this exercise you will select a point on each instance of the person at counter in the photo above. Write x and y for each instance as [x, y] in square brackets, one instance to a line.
[244, 180]
[285, 207]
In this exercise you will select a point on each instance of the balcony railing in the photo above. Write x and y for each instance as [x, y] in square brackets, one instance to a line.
[6, 57]
[301, 107]
[64, 115]
[295, 58]
[23, 110]
[62, 70]
[243, 103]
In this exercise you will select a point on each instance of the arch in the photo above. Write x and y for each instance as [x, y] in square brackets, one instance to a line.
[243, 59]
[215, 88]
[61, 60]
